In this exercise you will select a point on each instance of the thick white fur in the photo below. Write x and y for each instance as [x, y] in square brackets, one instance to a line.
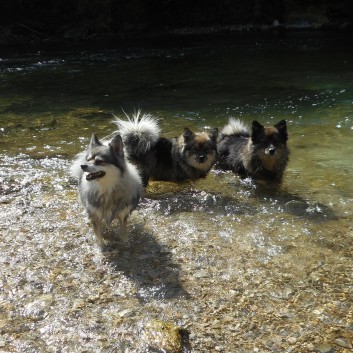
[76, 171]
[129, 180]
[139, 127]
[114, 188]
[75, 167]
[126, 182]
[235, 127]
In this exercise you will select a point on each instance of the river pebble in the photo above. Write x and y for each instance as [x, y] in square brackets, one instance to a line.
[163, 336]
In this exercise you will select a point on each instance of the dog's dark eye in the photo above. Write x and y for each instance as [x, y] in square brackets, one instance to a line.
[98, 162]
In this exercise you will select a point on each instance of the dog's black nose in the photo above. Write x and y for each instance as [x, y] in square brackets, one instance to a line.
[202, 158]
[84, 167]
[272, 151]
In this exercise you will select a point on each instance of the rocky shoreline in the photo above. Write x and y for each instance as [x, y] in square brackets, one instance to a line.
[19, 35]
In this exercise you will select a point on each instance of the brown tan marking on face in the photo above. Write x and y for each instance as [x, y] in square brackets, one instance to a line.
[270, 162]
[201, 146]
[271, 139]
[201, 138]
[206, 165]
[270, 131]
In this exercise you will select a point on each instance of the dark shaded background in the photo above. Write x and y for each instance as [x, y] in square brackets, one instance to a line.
[78, 20]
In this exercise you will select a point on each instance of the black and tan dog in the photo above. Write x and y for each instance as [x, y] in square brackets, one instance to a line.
[190, 156]
[261, 153]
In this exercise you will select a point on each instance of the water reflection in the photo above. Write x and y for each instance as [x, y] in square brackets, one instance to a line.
[276, 198]
[198, 201]
[247, 198]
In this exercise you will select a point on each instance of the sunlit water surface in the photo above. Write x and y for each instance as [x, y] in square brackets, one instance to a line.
[240, 266]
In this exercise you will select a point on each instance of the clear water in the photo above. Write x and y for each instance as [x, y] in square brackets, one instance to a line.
[242, 266]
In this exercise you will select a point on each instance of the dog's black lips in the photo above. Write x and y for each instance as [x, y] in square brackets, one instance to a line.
[92, 176]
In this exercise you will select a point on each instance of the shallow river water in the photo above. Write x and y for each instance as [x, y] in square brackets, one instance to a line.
[215, 265]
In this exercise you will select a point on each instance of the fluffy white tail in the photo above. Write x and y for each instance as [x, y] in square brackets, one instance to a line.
[235, 127]
[139, 132]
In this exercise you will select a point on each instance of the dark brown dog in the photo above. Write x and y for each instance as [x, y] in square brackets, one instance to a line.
[190, 156]
[261, 153]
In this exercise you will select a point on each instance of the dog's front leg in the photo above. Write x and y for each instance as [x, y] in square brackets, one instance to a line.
[98, 230]
[123, 229]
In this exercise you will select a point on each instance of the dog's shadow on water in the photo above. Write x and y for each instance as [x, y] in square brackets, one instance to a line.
[263, 196]
[148, 264]
[297, 205]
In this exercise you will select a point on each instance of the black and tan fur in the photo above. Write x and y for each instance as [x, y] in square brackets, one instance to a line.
[261, 153]
[189, 156]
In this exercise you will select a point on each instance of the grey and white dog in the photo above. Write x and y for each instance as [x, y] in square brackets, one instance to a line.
[109, 186]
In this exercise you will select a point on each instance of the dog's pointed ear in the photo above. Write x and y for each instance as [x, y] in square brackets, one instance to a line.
[188, 134]
[282, 129]
[257, 126]
[213, 134]
[94, 141]
[281, 125]
[117, 146]
[257, 132]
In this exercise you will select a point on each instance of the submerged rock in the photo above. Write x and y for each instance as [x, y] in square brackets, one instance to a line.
[163, 336]
[324, 347]
[38, 309]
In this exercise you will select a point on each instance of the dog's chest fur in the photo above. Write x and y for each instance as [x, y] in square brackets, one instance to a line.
[114, 195]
